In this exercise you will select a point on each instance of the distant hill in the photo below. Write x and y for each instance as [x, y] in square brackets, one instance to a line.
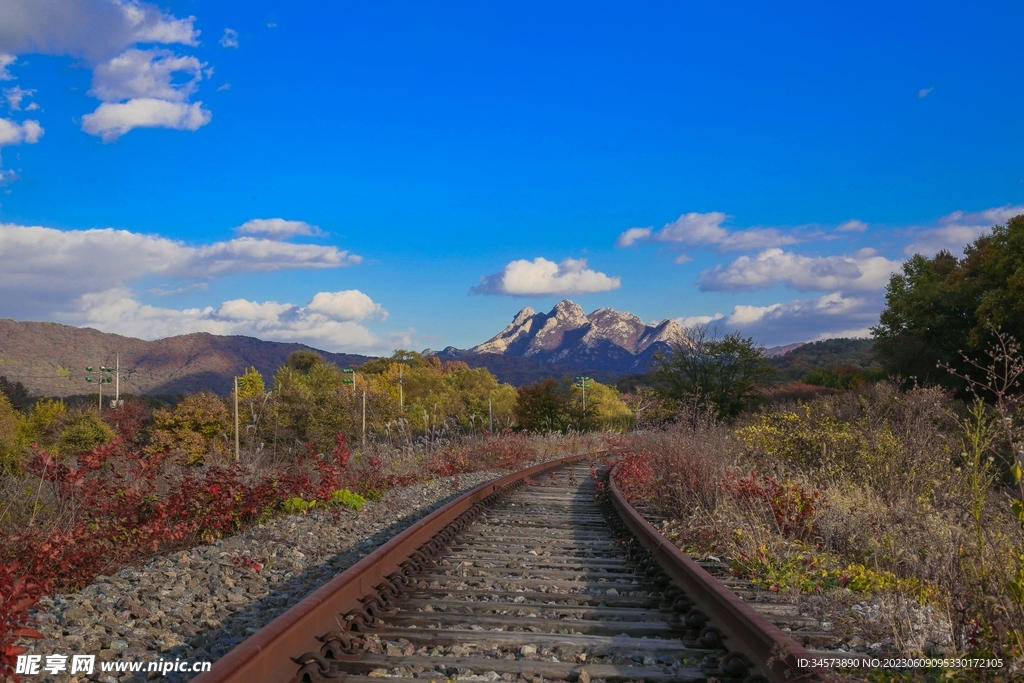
[50, 359]
[857, 353]
[773, 351]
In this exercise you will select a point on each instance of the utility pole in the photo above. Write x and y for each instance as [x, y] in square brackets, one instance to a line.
[581, 382]
[102, 377]
[237, 456]
[347, 380]
[117, 380]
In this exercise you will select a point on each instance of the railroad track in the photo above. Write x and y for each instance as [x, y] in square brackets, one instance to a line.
[526, 578]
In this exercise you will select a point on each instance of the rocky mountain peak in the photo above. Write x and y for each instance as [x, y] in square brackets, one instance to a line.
[605, 339]
[523, 315]
[568, 311]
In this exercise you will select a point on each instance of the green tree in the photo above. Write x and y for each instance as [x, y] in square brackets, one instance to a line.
[303, 361]
[313, 404]
[250, 384]
[605, 408]
[543, 406]
[938, 307]
[82, 432]
[44, 421]
[16, 393]
[727, 371]
[10, 450]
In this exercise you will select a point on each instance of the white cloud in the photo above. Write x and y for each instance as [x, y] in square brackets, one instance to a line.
[5, 61]
[112, 120]
[146, 74]
[692, 320]
[278, 228]
[826, 317]
[861, 270]
[958, 229]
[14, 133]
[93, 30]
[852, 225]
[923, 92]
[632, 236]
[15, 95]
[335, 329]
[230, 38]
[541, 277]
[801, 320]
[86, 277]
[348, 305]
[226, 86]
[705, 229]
[139, 88]
[41, 269]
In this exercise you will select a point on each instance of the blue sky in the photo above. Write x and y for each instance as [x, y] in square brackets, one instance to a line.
[368, 176]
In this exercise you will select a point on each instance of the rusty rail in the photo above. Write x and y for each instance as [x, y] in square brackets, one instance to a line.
[290, 647]
[270, 655]
[744, 630]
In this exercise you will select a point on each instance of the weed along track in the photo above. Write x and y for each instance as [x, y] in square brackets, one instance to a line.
[529, 577]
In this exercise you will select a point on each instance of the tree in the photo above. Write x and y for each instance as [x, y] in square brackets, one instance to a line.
[10, 451]
[84, 431]
[605, 408]
[543, 406]
[44, 421]
[250, 384]
[938, 307]
[16, 393]
[727, 371]
[196, 428]
[304, 360]
[313, 404]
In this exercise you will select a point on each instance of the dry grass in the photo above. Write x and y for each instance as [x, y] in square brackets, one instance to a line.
[880, 493]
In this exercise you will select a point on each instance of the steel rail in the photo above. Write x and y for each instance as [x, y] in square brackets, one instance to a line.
[271, 654]
[775, 654]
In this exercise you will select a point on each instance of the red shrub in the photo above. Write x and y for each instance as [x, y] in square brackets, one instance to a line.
[635, 477]
[18, 595]
[790, 505]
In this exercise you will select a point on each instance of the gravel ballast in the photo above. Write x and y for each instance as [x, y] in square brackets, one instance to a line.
[197, 604]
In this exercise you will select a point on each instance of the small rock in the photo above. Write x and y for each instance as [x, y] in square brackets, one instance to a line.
[169, 641]
[583, 676]
[612, 592]
[528, 650]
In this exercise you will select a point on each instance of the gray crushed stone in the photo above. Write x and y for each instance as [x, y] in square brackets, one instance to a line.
[197, 604]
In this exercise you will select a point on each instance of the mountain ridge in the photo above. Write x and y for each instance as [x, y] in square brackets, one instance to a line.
[49, 359]
[605, 340]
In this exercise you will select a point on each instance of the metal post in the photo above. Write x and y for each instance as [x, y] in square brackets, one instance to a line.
[117, 379]
[490, 417]
[236, 420]
[101, 391]
[364, 418]
[401, 392]
[581, 382]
